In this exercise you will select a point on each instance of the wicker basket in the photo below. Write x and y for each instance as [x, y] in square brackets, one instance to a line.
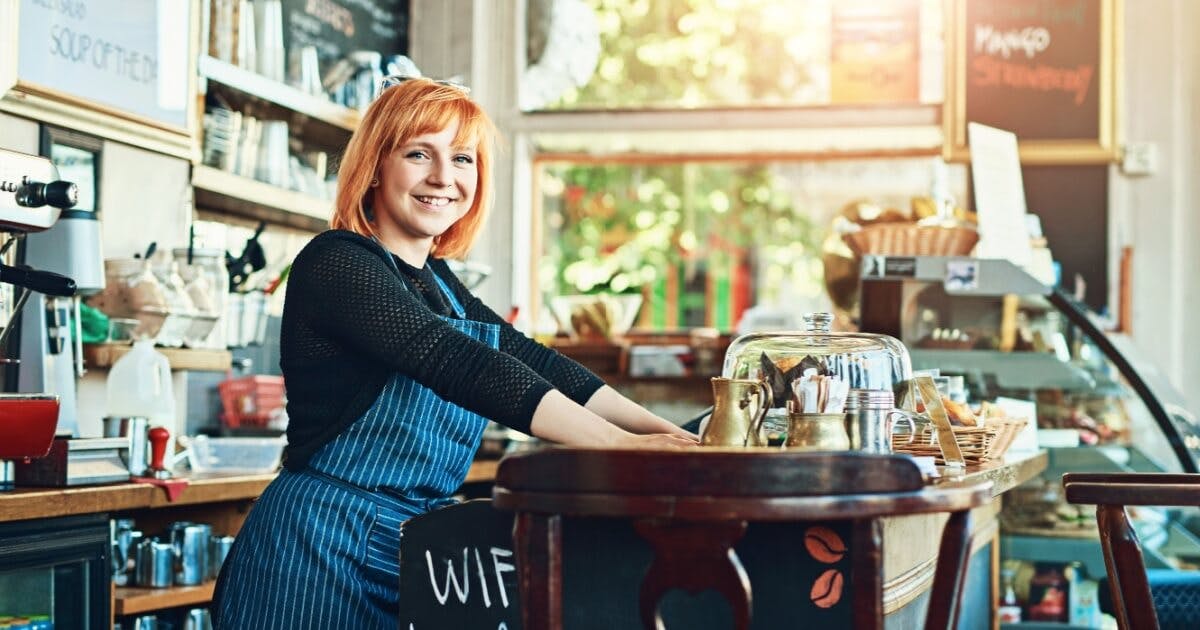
[978, 444]
[974, 442]
[907, 239]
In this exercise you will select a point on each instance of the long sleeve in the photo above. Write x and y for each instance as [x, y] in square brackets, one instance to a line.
[568, 376]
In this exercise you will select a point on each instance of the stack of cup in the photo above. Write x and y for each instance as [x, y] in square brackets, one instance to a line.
[268, 15]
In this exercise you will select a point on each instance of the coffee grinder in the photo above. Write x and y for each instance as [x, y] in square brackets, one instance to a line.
[51, 346]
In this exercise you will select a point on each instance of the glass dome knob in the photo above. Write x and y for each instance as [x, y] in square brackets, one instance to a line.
[818, 322]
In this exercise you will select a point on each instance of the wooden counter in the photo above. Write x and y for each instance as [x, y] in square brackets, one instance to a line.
[30, 503]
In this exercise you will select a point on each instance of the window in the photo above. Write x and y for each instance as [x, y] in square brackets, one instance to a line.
[643, 54]
[702, 242]
[698, 154]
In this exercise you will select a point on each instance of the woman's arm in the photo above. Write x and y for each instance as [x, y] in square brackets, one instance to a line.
[609, 404]
[559, 419]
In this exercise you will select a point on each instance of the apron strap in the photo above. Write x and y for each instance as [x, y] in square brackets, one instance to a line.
[382, 499]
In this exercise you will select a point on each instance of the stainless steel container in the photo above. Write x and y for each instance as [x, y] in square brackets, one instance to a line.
[155, 563]
[123, 539]
[190, 541]
[197, 619]
[218, 550]
[134, 428]
[870, 419]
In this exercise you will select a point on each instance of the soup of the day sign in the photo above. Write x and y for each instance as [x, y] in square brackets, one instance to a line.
[126, 57]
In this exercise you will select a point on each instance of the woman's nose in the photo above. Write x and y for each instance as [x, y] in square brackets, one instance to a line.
[440, 175]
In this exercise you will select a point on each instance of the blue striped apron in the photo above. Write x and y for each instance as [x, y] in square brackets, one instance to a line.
[321, 547]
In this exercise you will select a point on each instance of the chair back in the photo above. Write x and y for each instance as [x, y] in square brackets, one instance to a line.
[1132, 602]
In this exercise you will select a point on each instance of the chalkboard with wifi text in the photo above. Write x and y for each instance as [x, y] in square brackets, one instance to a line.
[1043, 69]
[457, 570]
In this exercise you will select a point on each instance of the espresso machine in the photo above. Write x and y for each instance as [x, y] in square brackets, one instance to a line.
[31, 200]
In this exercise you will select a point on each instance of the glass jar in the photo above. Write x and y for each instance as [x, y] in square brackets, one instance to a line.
[861, 360]
[132, 292]
[180, 309]
[207, 282]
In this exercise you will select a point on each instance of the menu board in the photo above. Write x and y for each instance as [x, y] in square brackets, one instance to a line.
[337, 28]
[128, 58]
[1043, 69]
[874, 51]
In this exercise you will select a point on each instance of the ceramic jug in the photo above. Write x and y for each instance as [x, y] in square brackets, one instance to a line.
[739, 406]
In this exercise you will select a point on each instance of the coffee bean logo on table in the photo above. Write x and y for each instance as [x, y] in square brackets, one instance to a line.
[825, 546]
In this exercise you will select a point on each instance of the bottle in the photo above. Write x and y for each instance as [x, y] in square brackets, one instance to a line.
[139, 385]
[1009, 610]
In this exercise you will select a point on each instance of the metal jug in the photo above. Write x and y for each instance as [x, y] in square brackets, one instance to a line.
[816, 431]
[738, 410]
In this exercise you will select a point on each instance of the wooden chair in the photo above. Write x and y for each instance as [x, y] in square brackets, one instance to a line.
[1133, 605]
[693, 506]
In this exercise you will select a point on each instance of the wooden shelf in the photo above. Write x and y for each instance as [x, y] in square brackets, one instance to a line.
[218, 190]
[103, 355]
[285, 96]
[132, 600]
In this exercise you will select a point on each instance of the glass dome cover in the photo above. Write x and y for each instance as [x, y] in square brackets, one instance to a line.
[866, 360]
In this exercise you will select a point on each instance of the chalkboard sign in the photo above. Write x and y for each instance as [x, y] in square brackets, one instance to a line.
[457, 570]
[1043, 69]
[123, 58]
[337, 28]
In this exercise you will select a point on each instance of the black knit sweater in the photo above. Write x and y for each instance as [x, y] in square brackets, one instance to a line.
[350, 321]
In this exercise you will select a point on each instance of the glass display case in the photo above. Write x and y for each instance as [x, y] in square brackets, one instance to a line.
[1010, 336]
[1099, 407]
[54, 573]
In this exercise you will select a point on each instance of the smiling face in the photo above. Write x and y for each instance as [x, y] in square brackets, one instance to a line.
[425, 186]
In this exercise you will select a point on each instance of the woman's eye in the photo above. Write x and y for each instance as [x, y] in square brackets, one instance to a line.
[464, 159]
[415, 155]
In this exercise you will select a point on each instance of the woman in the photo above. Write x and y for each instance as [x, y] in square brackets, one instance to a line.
[392, 370]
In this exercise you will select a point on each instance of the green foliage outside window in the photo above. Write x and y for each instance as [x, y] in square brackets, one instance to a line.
[707, 53]
[615, 228]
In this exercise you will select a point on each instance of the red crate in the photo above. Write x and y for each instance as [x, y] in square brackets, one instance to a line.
[250, 400]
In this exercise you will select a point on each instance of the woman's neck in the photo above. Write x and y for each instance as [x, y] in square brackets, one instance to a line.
[415, 254]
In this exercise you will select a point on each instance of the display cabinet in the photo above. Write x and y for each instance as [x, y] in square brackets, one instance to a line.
[55, 571]
[1099, 407]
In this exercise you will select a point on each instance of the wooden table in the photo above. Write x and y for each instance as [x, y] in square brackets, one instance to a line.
[907, 521]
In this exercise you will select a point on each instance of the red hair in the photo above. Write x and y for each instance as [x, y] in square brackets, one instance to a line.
[401, 113]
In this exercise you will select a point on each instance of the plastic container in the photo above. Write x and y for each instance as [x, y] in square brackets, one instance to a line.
[139, 385]
[236, 454]
[250, 401]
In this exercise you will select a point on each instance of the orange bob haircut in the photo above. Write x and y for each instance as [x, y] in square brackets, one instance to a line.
[401, 113]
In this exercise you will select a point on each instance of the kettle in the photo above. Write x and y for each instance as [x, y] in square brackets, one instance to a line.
[738, 410]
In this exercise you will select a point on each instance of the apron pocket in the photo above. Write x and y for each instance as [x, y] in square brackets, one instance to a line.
[383, 545]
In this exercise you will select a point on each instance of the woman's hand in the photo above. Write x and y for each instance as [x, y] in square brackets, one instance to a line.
[659, 441]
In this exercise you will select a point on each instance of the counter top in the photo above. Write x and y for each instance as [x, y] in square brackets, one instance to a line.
[1004, 475]
[28, 503]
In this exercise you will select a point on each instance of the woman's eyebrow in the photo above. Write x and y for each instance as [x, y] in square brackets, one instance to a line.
[433, 147]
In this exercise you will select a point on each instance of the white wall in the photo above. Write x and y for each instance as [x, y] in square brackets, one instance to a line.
[1156, 214]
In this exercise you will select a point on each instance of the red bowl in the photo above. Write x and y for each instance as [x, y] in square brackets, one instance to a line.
[27, 424]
